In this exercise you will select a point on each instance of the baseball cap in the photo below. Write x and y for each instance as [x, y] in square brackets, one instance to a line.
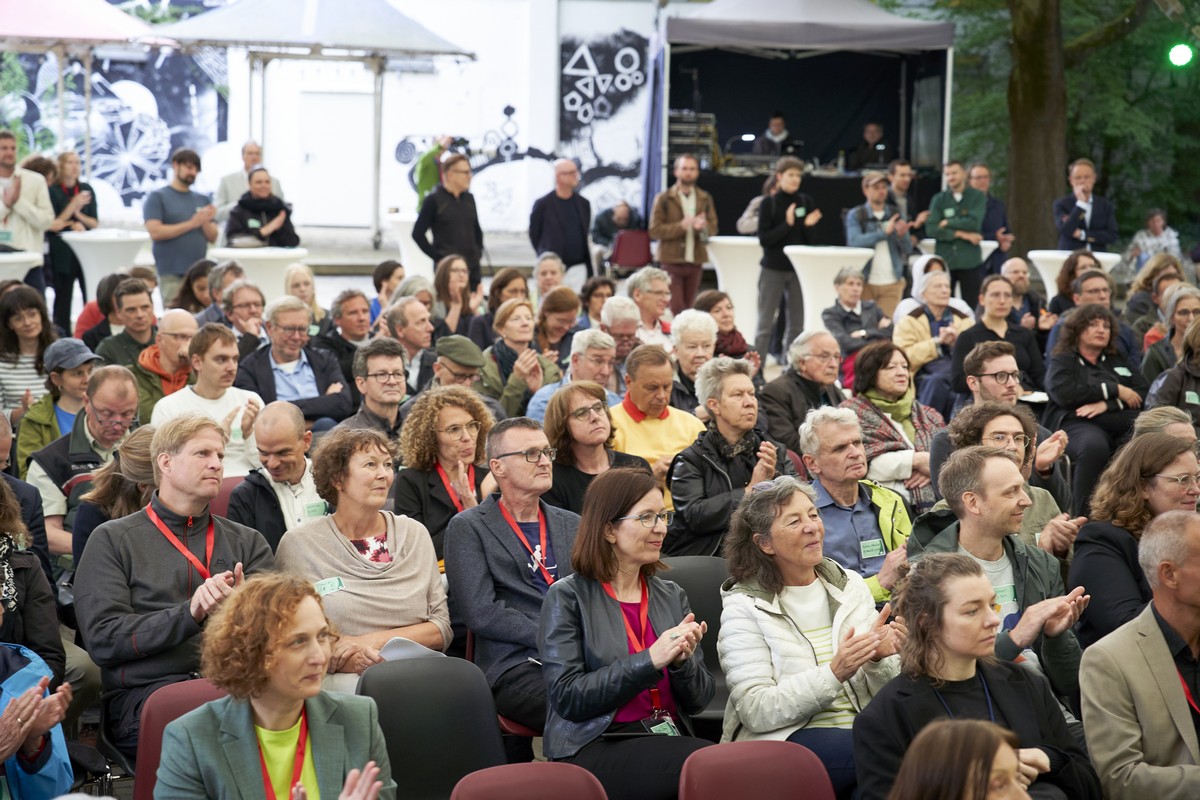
[67, 354]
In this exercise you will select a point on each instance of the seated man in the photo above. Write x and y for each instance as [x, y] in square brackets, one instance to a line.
[408, 323]
[984, 488]
[650, 289]
[214, 355]
[1139, 682]
[133, 302]
[243, 305]
[612, 220]
[694, 336]
[458, 361]
[148, 581]
[644, 423]
[810, 382]
[220, 278]
[281, 493]
[292, 370]
[379, 374]
[62, 470]
[110, 323]
[866, 524]
[1156, 318]
[619, 318]
[164, 367]
[501, 557]
[592, 354]
[852, 321]
[351, 330]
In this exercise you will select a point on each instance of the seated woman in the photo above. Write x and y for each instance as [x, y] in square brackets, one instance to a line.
[513, 369]
[69, 364]
[963, 759]
[25, 334]
[579, 426]
[509, 284]
[260, 219]
[620, 647]
[927, 334]
[557, 316]
[922, 268]
[387, 573]
[193, 295]
[949, 670]
[994, 325]
[1075, 265]
[442, 447]
[694, 336]
[1166, 419]
[854, 322]
[897, 429]
[417, 286]
[1183, 306]
[268, 646]
[1140, 301]
[1094, 394]
[730, 341]
[298, 281]
[454, 305]
[1179, 386]
[592, 296]
[801, 645]
[119, 488]
[709, 478]
[1150, 475]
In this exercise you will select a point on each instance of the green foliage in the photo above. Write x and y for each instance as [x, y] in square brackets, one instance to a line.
[13, 85]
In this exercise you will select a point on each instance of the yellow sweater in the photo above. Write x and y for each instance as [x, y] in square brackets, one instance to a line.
[652, 438]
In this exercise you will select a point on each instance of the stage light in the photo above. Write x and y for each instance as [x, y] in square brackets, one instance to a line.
[748, 137]
[1180, 55]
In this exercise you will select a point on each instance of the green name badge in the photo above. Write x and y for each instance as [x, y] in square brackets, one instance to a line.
[1004, 594]
[800, 211]
[253, 223]
[329, 586]
[872, 548]
[5, 237]
[948, 212]
[315, 509]
[1191, 398]
[313, 330]
[1122, 371]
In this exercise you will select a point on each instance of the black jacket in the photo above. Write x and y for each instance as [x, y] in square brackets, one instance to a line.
[35, 521]
[343, 350]
[1068, 218]
[774, 233]
[1179, 386]
[94, 335]
[421, 496]
[255, 375]
[253, 503]
[841, 323]
[886, 727]
[1072, 381]
[1029, 357]
[34, 622]
[550, 228]
[69, 461]
[455, 225]
[249, 216]
[787, 401]
[1106, 566]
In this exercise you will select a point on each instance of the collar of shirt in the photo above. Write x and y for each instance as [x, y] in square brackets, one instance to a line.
[300, 362]
[1175, 643]
[824, 500]
[636, 414]
[376, 421]
[297, 487]
[856, 308]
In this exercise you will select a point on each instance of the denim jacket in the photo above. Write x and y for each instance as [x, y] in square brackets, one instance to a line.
[863, 230]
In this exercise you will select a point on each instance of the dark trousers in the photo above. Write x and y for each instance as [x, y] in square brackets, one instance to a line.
[123, 714]
[1091, 444]
[640, 767]
[685, 282]
[520, 695]
[64, 287]
[835, 748]
[970, 281]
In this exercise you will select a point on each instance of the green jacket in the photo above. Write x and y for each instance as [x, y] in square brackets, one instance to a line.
[150, 390]
[514, 396]
[894, 523]
[123, 349]
[964, 215]
[38, 428]
[1036, 577]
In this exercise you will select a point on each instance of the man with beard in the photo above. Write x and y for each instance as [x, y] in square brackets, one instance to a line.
[165, 367]
[683, 218]
[1028, 309]
[180, 222]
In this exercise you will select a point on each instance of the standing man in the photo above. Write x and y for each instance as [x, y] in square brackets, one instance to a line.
[995, 218]
[351, 331]
[900, 175]
[449, 212]
[164, 367]
[682, 220]
[235, 184]
[879, 226]
[957, 224]
[559, 223]
[133, 302]
[408, 323]
[1083, 218]
[180, 222]
[25, 209]
[379, 373]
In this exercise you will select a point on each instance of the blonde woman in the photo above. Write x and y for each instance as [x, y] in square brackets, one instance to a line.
[298, 281]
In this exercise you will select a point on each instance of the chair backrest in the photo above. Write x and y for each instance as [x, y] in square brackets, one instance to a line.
[716, 773]
[547, 780]
[219, 505]
[439, 722]
[701, 578]
[631, 249]
[161, 707]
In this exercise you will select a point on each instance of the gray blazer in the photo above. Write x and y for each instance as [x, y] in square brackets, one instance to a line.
[491, 588]
[212, 752]
[1139, 730]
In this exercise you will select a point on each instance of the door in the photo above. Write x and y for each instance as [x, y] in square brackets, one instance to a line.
[336, 136]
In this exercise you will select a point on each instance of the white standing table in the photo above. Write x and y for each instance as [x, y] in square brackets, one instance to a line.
[103, 251]
[1048, 263]
[415, 262]
[264, 265]
[817, 267]
[736, 260]
[13, 266]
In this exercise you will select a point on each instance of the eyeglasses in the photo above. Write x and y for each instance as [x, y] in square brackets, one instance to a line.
[472, 427]
[1002, 378]
[1181, 481]
[533, 455]
[650, 519]
[581, 414]
[399, 376]
[462, 377]
[113, 419]
[600, 363]
[291, 330]
[660, 292]
[1001, 439]
[251, 305]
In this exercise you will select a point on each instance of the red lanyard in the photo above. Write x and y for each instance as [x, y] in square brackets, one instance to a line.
[520, 535]
[173, 539]
[1187, 692]
[638, 641]
[297, 765]
[470, 482]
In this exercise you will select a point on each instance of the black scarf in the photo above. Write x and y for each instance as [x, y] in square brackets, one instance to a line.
[268, 205]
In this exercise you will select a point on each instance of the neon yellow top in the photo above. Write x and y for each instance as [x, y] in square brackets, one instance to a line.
[279, 751]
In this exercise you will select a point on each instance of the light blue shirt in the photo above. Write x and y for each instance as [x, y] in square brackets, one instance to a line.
[299, 384]
[851, 533]
[541, 398]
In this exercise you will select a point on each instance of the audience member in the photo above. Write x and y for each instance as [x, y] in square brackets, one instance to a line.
[994, 325]
[557, 321]
[872, 151]
[901, 174]
[611, 221]
[784, 218]
[1079, 262]
[1084, 219]
[592, 298]
[1097, 286]
[801, 645]
[957, 226]
[119, 488]
[417, 286]
[730, 341]
[620, 319]
[1139, 303]
[507, 284]
[386, 277]
[220, 278]
[852, 321]
[243, 305]
[1151, 326]
[165, 367]
[458, 362]
[349, 332]
[878, 226]
[1179, 386]
[193, 295]
[770, 143]
[74, 204]
[408, 323]
[995, 217]
[1028, 308]
[298, 281]
[135, 304]
[25, 334]
[235, 184]
[599, 682]
[961, 759]
[261, 218]
[179, 221]
[455, 303]
[379, 377]
[810, 382]
[649, 288]
[682, 219]
[559, 221]
[548, 274]
[927, 335]
[1166, 419]
[68, 364]
[1182, 307]
[27, 212]
[747, 224]
[99, 318]
[694, 338]
[923, 268]
[1157, 237]
[448, 212]
[513, 370]
[143, 633]
[593, 353]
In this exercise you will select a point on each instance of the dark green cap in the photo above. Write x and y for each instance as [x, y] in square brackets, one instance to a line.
[461, 351]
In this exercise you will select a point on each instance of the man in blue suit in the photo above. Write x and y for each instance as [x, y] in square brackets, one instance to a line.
[1083, 218]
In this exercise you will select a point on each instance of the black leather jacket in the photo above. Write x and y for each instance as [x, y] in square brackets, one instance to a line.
[587, 666]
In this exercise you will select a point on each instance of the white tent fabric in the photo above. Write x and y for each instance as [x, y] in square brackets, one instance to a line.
[806, 25]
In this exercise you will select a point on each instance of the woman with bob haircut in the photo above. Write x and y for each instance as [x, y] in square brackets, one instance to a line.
[557, 318]
[1150, 475]
[508, 284]
[1079, 262]
[619, 647]
[801, 644]
[453, 305]
[268, 646]
[580, 427]
[949, 671]
[442, 443]
[388, 581]
[962, 759]
[513, 369]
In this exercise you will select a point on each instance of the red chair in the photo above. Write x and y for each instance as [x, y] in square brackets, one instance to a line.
[546, 780]
[220, 504]
[631, 250]
[724, 771]
[163, 706]
[508, 727]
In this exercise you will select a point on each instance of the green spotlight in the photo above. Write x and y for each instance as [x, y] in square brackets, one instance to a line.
[1180, 55]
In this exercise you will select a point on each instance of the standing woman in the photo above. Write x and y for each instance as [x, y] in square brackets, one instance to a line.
[74, 205]
[25, 333]
[509, 284]
[269, 645]
[454, 304]
[513, 369]
[618, 647]
[558, 314]
[298, 282]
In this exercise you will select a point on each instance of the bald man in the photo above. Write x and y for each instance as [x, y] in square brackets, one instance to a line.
[280, 494]
[1028, 309]
[164, 367]
[559, 223]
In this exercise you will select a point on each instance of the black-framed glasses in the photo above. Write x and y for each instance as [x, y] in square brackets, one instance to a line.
[456, 431]
[533, 455]
[399, 376]
[1002, 378]
[112, 419]
[461, 377]
[581, 414]
[649, 519]
[1001, 439]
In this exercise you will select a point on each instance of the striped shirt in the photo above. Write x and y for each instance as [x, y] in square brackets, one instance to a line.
[16, 378]
[808, 606]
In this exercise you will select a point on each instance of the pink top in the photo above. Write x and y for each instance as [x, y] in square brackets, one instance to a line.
[640, 707]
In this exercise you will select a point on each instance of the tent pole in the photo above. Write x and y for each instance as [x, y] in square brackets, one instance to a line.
[377, 63]
[252, 62]
[262, 98]
[61, 54]
[902, 151]
[666, 116]
[87, 111]
[949, 98]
